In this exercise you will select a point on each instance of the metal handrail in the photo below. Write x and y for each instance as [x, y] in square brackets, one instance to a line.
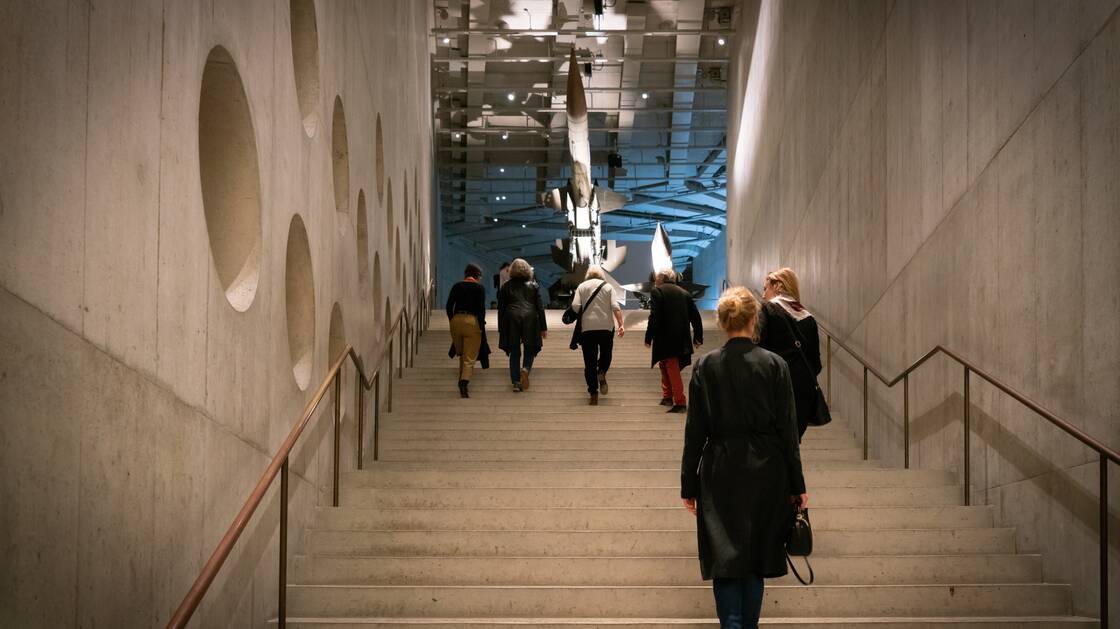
[1105, 453]
[279, 462]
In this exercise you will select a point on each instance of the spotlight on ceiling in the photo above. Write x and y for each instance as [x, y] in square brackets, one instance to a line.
[510, 97]
[501, 170]
[446, 40]
[495, 219]
[522, 225]
[645, 95]
[505, 135]
[721, 41]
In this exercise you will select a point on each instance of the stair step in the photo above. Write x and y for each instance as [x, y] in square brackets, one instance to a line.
[901, 569]
[509, 442]
[497, 453]
[1031, 622]
[680, 601]
[583, 497]
[665, 477]
[642, 543]
[615, 519]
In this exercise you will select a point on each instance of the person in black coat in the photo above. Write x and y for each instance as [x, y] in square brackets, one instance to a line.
[741, 470]
[521, 322]
[671, 311]
[786, 328]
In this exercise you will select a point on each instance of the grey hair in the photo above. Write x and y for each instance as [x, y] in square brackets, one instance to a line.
[519, 269]
[594, 272]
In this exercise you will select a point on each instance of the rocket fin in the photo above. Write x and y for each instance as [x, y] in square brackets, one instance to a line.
[616, 255]
[609, 200]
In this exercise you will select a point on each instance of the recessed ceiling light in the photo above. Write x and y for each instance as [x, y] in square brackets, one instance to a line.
[495, 219]
[645, 95]
[721, 41]
[523, 226]
[505, 135]
[510, 97]
[447, 40]
[501, 170]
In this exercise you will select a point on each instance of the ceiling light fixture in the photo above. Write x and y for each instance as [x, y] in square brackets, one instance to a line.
[721, 41]
[645, 95]
[446, 40]
[501, 170]
[495, 219]
[505, 135]
[510, 97]
[523, 226]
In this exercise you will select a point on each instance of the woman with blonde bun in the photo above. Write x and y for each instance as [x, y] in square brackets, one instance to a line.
[788, 329]
[741, 467]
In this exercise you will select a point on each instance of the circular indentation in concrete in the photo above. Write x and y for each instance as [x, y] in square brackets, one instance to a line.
[376, 292]
[363, 239]
[379, 161]
[340, 158]
[337, 341]
[389, 208]
[305, 61]
[231, 193]
[299, 298]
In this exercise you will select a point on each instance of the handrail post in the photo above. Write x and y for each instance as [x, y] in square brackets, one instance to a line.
[337, 427]
[1103, 542]
[360, 394]
[966, 463]
[400, 337]
[376, 411]
[828, 363]
[389, 402]
[906, 421]
[865, 413]
[282, 594]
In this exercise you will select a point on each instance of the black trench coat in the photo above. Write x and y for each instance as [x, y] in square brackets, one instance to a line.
[520, 316]
[741, 460]
[671, 311]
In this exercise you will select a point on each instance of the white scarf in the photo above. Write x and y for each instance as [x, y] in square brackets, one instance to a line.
[792, 306]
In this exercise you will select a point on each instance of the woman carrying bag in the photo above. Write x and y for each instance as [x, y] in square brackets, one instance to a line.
[741, 470]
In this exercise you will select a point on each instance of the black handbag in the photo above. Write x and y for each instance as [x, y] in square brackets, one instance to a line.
[800, 543]
[571, 315]
[821, 415]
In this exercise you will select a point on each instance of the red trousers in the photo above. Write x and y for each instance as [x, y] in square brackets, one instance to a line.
[671, 385]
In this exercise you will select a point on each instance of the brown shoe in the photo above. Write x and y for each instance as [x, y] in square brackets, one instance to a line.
[524, 379]
[594, 399]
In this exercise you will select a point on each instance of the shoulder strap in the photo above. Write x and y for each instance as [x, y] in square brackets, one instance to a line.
[589, 300]
[796, 337]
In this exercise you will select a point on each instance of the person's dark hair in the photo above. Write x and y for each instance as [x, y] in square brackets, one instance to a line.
[472, 270]
[505, 265]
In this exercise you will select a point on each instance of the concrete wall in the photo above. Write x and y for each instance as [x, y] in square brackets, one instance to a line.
[137, 406]
[946, 172]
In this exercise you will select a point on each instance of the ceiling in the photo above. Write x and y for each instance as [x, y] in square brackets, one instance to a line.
[657, 97]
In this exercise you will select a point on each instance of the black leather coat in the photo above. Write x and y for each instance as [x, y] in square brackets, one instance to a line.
[741, 460]
[520, 316]
[671, 311]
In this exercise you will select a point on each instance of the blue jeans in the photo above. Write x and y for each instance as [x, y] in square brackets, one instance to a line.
[738, 602]
[515, 364]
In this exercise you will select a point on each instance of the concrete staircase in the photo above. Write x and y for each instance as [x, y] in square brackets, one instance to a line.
[535, 510]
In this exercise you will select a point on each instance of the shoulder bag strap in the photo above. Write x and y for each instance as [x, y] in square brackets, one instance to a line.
[796, 337]
[595, 294]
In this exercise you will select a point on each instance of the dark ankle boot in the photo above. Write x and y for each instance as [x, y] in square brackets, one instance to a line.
[463, 392]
